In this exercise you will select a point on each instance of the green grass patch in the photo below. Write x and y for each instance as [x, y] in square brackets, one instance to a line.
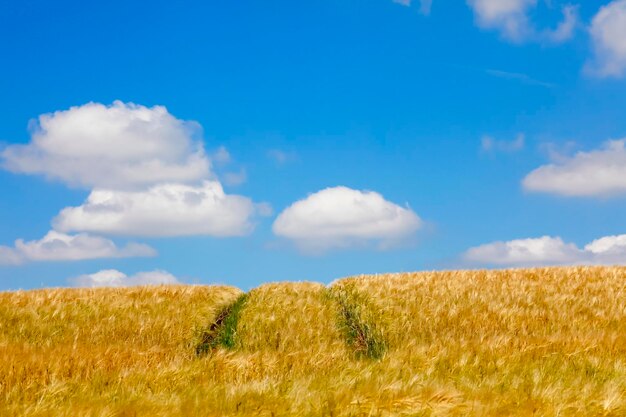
[223, 331]
[361, 332]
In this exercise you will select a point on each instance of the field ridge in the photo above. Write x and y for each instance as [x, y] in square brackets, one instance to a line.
[548, 341]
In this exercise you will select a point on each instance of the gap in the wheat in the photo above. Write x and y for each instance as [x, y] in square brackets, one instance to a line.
[361, 332]
[223, 331]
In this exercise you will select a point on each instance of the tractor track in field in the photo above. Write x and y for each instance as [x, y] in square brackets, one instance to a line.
[361, 333]
[222, 332]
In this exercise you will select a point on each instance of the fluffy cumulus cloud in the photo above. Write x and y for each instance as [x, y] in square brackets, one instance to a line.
[118, 146]
[608, 32]
[511, 19]
[342, 217]
[147, 171]
[56, 246]
[115, 278]
[162, 210]
[587, 174]
[549, 250]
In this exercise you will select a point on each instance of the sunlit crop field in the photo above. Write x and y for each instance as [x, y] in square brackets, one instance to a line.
[544, 342]
[102, 351]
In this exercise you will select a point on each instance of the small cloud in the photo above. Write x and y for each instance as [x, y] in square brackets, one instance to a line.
[56, 246]
[612, 248]
[558, 152]
[115, 278]
[511, 19]
[595, 173]
[425, 5]
[489, 144]
[281, 157]
[608, 32]
[547, 250]
[341, 217]
[264, 209]
[221, 156]
[565, 29]
[235, 178]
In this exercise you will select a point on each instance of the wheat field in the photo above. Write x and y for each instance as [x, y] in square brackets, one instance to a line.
[542, 342]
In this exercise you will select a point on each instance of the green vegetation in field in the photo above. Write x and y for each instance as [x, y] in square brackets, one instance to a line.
[223, 330]
[360, 331]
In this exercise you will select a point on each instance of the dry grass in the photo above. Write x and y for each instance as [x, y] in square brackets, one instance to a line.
[545, 342]
[96, 351]
[549, 342]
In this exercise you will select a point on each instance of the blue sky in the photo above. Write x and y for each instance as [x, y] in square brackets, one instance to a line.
[318, 140]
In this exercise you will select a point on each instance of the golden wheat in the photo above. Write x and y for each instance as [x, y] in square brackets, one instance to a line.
[546, 342]
[71, 352]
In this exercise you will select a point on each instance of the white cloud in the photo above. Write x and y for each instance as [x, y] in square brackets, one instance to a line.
[9, 256]
[162, 210]
[118, 146]
[587, 174]
[342, 217]
[508, 16]
[489, 144]
[221, 156]
[558, 152]
[281, 157]
[610, 248]
[115, 278]
[549, 250]
[56, 246]
[608, 32]
[522, 252]
[264, 209]
[147, 170]
[425, 5]
[235, 178]
[565, 29]
[511, 19]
